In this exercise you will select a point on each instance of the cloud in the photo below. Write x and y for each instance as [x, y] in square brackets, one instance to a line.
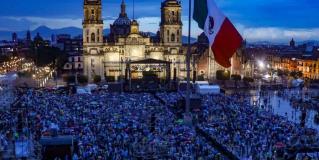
[151, 24]
[277, 34]
[23, 23]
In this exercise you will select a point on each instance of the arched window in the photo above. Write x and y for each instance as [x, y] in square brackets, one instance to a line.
[93, 38]
[173, 37]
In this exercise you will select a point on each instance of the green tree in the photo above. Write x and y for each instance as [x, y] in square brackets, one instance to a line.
[200, 78]
[236, 77]
[110, 78]
[222, 75]
[44, 55]
[82, 79]
[299, 74]
[97, 79]
[69, 79]
[293, 74]
[280, 72]
[248, 79]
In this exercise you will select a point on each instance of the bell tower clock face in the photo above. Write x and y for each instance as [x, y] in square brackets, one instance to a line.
[134, 30]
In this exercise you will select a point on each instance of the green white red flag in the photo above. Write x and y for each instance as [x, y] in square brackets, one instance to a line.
[224, 39]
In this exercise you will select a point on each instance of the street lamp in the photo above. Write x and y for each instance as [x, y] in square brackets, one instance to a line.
[261, 64]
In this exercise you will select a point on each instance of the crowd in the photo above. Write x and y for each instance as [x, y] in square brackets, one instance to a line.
[143, 126]
[7, 96]
[113, 126]
[7, 125]
[250, 132]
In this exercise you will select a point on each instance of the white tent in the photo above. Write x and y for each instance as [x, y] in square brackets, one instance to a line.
[207, 89]
[201, 83]
[92, 86]
[8, 78]
[83, 90]
[297, 82]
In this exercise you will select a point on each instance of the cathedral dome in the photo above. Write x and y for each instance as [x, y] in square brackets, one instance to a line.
[122, 21]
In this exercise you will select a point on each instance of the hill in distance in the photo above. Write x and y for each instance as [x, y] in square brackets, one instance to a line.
[46, 33]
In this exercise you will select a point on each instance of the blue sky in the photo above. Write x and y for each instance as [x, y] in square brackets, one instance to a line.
[257, 20]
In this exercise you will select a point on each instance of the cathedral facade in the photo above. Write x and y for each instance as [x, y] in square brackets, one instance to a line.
[108, 55]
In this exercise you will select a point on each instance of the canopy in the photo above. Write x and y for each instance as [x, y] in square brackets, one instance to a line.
[83, 90]
[201, 83]
[208, 89]
[150, 61]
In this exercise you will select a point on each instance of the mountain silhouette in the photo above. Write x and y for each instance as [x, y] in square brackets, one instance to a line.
[46, 33]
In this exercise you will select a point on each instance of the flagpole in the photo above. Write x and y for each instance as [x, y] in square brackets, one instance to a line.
[187, 112]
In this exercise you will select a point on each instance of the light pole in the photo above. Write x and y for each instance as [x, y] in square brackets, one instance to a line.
[188, 116]
[121, 75]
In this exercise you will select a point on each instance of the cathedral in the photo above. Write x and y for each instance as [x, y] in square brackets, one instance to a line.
[128, 48]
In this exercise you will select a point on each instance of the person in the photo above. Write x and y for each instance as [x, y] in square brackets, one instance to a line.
[75, 157]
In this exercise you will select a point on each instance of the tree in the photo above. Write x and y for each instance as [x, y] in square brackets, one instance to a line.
[222, 75]
[110, 78]
[236, 77]
[69, 79]
[299, 74]
[97, 79]
[201, 78]
[286, 72]
[248, 79]
[82, 79]
[44, 55]
[280, 72]
[296, 74]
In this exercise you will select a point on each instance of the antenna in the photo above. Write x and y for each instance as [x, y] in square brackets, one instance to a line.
[133, 9]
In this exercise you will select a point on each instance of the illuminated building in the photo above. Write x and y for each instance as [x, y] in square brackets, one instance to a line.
[108, 56]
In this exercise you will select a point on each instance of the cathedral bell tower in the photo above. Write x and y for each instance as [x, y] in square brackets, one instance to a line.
[93, 39]
[171, 23]
[92, 23]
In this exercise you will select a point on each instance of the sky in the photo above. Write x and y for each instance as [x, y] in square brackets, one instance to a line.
[256, 20]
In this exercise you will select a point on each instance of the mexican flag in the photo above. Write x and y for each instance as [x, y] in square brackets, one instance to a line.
[223, 37]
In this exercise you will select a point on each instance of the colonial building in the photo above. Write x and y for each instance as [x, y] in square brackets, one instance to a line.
[109, 55]
[205, 65]
[287, 58]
